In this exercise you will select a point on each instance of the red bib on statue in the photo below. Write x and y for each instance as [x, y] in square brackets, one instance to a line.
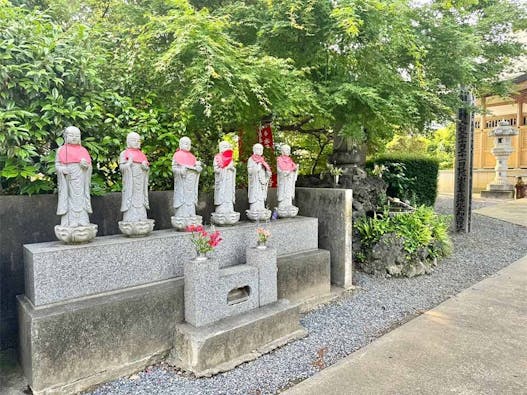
[223, 159]
[73, 153]
[184, 158]
[285, 163]
[136, 154]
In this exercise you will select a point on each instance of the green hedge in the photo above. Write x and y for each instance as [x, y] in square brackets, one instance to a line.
[419, 181]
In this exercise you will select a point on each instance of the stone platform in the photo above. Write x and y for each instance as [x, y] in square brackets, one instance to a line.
[303, 276]
[55, 272]
[216, 348]
[69, 346]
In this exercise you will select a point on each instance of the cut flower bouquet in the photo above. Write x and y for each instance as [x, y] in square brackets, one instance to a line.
[204, 241]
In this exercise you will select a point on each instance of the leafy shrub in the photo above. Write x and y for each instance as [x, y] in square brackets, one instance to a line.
[409, 176]
[422, 228]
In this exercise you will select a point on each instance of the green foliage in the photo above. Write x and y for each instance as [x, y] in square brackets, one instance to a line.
[49, 80]
[440, 144]
[409, 176]
[207, 68]
[310, 150]
[408, 143]
[422, 228]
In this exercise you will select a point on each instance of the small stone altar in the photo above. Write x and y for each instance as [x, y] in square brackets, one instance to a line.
[232, 314]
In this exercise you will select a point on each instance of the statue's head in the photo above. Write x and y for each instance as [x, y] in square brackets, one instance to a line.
[258, 149]
[224, 146]
[285, 150]
[72, 135]
[184, 144]
[133, 140]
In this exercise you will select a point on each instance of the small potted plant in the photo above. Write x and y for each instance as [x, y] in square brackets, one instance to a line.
[203, 241]
[263, 235]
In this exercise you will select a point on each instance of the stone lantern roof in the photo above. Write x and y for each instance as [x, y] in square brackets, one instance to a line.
[504, 129]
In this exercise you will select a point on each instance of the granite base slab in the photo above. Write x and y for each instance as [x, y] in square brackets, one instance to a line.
[55, 272]
[232, 341]
[68, 347]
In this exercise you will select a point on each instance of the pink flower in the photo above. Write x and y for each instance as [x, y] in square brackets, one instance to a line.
[203, 240]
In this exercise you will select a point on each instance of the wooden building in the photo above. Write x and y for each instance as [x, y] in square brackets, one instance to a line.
[512, 109]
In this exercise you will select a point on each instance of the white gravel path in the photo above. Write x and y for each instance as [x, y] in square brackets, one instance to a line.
[339, 328]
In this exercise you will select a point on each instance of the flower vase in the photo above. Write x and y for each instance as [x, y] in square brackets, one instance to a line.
[201, 256]
[261, 244]
[337, 176]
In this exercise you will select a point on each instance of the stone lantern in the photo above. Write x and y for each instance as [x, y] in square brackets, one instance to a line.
[500, 187]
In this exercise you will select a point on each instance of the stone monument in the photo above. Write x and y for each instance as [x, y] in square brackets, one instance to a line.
[224, 187]
[259, 173]
[287, 175]
[463, 166]
[134, 167]
[186, 171]
[501, 187]
[74, 168]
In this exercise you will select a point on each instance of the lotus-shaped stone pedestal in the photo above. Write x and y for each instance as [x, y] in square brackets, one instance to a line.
[287, 212]
[260, 215]
[76, 234]
[137, 228]
[223, 219]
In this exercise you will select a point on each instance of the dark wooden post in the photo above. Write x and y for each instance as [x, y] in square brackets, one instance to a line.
[464, 160]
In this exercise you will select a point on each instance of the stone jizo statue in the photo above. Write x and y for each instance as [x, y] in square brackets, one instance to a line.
[259, 173]
[186, 170]
[74, 167]
[134, 167]
[287, 175]
[224, 186]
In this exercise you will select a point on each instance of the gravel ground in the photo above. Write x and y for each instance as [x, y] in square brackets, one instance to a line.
[338, 329]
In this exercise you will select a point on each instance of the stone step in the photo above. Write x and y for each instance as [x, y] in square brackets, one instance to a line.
[232, 341]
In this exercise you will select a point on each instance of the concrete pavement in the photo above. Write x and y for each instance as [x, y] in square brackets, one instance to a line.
[513, 211]
[474, 343]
